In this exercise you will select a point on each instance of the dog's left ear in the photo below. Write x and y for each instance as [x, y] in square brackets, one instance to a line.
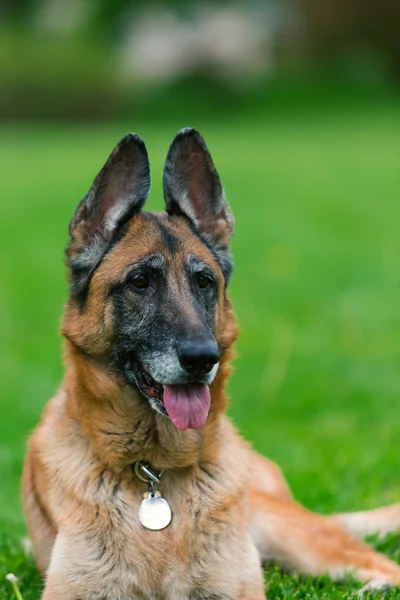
[192, 187]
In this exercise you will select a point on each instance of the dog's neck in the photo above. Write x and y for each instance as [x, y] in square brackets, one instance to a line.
[123, 428]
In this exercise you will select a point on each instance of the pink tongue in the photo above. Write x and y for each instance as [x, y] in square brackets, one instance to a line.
[187, 405]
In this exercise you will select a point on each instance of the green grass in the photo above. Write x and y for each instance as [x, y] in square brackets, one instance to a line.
[316, 289]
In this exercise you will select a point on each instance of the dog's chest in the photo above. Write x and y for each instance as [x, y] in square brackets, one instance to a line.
[178, 561]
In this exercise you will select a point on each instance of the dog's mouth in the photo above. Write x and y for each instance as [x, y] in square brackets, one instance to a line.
[186, 404]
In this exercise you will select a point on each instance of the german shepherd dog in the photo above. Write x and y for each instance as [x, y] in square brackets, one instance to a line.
[136, 485]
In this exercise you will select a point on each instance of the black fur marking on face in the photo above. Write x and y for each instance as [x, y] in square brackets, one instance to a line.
[170, 240]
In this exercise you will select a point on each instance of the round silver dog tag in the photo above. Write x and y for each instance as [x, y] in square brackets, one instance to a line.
[154, 512]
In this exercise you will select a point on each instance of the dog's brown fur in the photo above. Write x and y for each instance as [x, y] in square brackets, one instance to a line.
[232, 508]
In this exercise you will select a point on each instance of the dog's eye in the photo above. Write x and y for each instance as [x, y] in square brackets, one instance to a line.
[140, 281]
[203, 280]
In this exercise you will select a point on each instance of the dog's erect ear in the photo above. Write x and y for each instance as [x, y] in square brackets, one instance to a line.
[118, 192]
[192, 187]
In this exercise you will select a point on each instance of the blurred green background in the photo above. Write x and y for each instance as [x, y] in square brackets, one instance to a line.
[299, 104]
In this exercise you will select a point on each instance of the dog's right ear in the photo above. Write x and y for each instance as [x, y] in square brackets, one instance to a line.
[118, 192]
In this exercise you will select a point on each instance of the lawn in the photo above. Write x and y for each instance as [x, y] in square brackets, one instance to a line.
[316, 198]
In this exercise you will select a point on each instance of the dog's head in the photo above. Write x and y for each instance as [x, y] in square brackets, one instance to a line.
[148, 290]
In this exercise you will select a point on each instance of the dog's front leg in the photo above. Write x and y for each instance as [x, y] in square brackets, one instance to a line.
[81, 568]
[57, 587]
[66, 587]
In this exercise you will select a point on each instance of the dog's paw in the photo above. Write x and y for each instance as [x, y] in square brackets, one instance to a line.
[375, 585]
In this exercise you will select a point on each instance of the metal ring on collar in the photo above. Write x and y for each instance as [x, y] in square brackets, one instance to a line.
[142, 467]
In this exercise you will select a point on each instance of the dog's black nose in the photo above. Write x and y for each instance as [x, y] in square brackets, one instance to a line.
[198, 357]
